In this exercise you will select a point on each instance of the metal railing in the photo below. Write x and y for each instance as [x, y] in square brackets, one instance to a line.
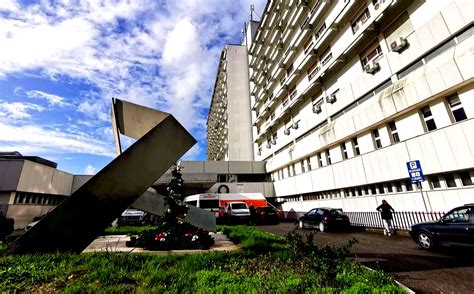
[402, 220]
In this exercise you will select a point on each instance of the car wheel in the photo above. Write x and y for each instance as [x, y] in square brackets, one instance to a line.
[321, 227]
[301, 224]
[424, 240]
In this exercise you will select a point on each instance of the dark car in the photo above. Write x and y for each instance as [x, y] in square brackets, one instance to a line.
[267, 215]
[455, 228]
[324, 218]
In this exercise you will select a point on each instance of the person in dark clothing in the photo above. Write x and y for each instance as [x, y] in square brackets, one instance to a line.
[386, 212]
[252, 214]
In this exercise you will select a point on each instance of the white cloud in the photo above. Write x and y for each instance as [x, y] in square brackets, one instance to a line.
[47, 140]
[90, 170]
[53, 100]
[161, 54]
[17, 110]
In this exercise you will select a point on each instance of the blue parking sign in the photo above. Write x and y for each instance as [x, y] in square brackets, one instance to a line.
[415, 172]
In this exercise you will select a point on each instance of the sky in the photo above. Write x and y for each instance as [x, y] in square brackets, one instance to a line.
[61, 62]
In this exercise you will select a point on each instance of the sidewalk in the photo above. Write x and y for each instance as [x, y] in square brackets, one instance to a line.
[116, 243]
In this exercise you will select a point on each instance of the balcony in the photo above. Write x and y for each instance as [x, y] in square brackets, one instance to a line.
[319, 8]
[289, 54]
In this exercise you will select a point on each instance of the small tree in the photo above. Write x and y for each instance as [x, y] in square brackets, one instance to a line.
[174, 232]
[177, 210]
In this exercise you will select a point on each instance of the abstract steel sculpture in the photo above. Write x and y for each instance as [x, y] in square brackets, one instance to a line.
[80, 218]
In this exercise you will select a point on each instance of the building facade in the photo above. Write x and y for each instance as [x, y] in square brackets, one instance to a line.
[344, 93]
[229, 131]
[32, 186]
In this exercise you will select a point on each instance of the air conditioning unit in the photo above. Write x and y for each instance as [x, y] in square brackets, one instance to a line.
[317, 109]
[371, 67]
[286, 132]
[399, 45]
[294, 126]
[331, 98]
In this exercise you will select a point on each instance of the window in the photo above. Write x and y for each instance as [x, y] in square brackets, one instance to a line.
[289, 70]
[275, 136]
[378, 142]
[308, 162]
[308, 45]
[394, 132]
[302, 166]
[373, 191]
[450, 182]
[389, 188]
[355, 144]
[372, 55]
[320, 32]
[398, 186]
[428, 118]
[293, 92]
[360, 20]
[456, 108]
[434, 182]
[328, 156]
[320, 160]
[344, 151]
[381, 188]
[465, 178]
[409, 185]
[460, 215]
[313, 70]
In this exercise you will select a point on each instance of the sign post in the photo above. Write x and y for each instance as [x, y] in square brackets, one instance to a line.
[416, 176]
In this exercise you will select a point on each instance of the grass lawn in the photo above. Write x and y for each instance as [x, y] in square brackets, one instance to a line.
[267, 264]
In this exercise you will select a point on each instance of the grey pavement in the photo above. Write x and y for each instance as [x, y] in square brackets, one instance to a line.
[449, 270]
[116, 243]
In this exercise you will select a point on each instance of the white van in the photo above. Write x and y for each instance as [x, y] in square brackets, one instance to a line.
[237, 212]
[216, 202]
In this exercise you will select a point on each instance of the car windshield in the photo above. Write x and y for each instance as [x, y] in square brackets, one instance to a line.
[335, 212]
[239, 206]
[266, 208]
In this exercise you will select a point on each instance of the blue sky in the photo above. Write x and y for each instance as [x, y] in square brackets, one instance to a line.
[61, 62]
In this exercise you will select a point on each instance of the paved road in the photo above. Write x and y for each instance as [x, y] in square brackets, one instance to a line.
[440, 271]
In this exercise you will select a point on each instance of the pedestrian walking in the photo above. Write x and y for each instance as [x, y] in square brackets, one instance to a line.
[252, 214]
[386, 212]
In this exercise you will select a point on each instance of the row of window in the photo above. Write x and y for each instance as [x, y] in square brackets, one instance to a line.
[323, 158]
[373, 52]
[444, 180]
[37, 198]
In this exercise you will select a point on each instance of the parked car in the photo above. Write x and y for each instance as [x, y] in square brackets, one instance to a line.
[267, 215]
[324, 218]
[455, 228]
[131, 217]
[237, 212]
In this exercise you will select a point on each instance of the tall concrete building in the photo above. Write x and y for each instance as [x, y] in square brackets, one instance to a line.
[345, 93]
[229, 131]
